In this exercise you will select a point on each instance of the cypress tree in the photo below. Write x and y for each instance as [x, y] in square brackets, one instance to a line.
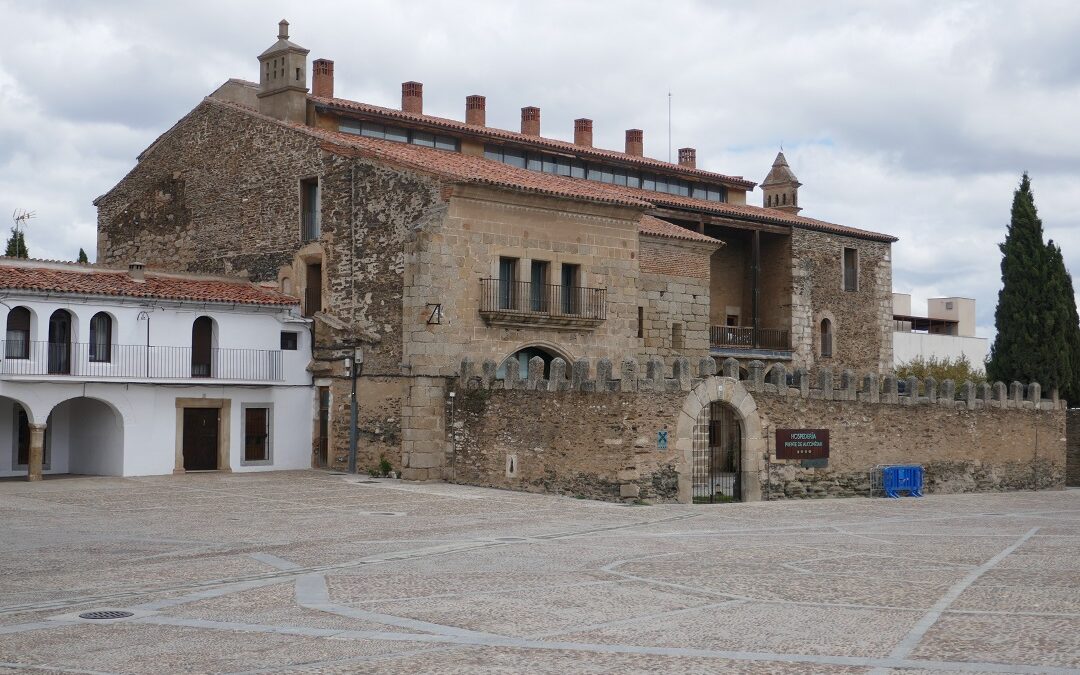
[1036, 323]
[82, 256]
[16, 245]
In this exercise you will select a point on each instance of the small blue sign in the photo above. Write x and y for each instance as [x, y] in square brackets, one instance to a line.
[661, 439]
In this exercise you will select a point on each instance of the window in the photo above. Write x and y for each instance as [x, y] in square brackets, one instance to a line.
[826, 338]
[289, 340]
[851, 269]
[676, 336]
[641, 322]
[202, 346]
[571, 288]
[507, 282]
[309, 209]
[256, 434]
[101, 338]
[538, 290]
[17, 344]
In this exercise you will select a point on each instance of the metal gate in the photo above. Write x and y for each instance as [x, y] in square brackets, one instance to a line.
[717, 455]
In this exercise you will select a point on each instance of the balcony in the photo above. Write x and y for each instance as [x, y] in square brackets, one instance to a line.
[748, 341]
[525, 304]
[138, 362]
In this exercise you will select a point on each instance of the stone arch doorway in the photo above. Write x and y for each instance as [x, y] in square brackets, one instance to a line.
[87, 434]
[723, 396]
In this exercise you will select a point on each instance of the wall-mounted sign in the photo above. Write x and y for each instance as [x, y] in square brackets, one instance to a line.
[802, 443]
[661, 439]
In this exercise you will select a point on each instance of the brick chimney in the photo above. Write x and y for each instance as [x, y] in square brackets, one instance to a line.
[583, 132]
[322, 78]
[475, 110]
[688, 158]
[530, 121]
[412, 97]
[634, 142]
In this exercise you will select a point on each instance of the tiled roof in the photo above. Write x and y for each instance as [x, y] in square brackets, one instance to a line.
[536, 141]
[475, 169]
[84, 279]
[657, 227]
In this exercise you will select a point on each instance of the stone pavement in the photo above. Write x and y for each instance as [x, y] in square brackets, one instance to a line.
[308, 572]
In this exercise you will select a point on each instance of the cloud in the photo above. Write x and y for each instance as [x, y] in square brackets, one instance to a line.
[914, 118]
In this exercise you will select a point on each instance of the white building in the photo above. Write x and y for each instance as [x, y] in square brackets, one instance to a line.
[133, 373]
[948, 331]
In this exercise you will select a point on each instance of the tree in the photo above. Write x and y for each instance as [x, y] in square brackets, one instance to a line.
[16, 245]
[1037, 330]
[82, 256]
[959, 370]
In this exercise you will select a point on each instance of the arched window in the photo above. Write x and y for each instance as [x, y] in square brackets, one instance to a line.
[17, 345]
[826, 338]
[101, 338]
[202, 347]
[60, 342]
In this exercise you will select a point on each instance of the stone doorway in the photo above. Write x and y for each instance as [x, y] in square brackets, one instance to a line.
[201, 438]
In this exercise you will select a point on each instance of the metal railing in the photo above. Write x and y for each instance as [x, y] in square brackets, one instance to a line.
[549, 300]
[139, 361]
[309, 221]
[747, 337]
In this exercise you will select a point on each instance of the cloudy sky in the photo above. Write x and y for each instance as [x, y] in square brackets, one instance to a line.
[913, 118]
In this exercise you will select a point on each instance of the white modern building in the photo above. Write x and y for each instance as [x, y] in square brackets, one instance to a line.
[947, 331]
[133, 373]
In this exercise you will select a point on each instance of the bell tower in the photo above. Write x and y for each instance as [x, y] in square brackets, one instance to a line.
[781, 187]
[283, 79]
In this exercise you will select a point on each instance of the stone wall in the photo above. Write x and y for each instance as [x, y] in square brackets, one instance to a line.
[594, 435]
[674, 289]
[862, 319]
[1072, 461]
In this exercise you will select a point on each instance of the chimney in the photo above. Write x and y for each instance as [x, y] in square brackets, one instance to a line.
[136, 271]
[412, 97]
[530, 121]
[322, 78]
[688, 158]
[634, 142]
[475, 110]
[583, 132]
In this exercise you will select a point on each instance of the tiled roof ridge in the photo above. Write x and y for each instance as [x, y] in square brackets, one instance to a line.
[658, 227]
[541, 141]
[561, 186]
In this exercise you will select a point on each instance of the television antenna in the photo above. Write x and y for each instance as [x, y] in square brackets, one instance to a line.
[21, 217]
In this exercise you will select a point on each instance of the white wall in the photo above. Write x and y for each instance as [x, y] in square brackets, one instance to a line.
[907, 346]
[95, 438]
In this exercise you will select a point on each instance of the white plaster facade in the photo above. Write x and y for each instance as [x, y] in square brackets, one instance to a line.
[122, 415]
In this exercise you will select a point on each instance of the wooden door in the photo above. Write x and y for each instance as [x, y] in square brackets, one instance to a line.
[201, 439]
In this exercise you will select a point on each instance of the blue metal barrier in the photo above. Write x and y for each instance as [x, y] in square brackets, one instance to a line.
[903, 478]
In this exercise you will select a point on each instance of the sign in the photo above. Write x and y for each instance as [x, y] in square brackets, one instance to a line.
[802, 443]
[661, 439]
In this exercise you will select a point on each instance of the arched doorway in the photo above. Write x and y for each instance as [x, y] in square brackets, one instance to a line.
[60, 343]
[88, 434]
[15, 439]
[523, 356]
[720, 444]
[202, 347]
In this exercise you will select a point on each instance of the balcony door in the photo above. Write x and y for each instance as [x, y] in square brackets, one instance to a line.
[507, 283]
[60, 343]
[202, 346]
[571, 283]
[538, 290]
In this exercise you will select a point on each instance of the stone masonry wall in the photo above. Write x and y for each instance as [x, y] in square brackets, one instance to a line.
[594, 435]
[674, 289]
[1072, 460]
[862, 319]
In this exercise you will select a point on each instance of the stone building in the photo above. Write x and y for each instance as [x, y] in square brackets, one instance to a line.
[423, 241]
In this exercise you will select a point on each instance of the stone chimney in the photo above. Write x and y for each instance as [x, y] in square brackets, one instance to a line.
[137, 271]
[412, 97]
[475, 110]
[635, 142]
[283, 79]
[688, 158]
[322, 78]
[530, 121]
[583, 132]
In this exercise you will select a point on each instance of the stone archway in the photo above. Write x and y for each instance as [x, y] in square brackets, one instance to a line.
[731, 392]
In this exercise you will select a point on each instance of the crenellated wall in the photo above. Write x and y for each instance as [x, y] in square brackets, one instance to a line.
[590, 433]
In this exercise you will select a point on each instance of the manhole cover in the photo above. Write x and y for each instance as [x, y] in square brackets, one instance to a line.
[106, 614]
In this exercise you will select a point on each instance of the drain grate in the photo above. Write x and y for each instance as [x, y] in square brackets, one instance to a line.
[367, 482]
[106, 614]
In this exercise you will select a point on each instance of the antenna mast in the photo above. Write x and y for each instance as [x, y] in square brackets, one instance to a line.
[20, 216]
[669, 125]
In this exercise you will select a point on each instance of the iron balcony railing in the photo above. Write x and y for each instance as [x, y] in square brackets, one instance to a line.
[547, 300]
[746, 337]
[139, 361]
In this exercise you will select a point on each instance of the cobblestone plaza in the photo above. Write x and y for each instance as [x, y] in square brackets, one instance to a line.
[308, 572]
